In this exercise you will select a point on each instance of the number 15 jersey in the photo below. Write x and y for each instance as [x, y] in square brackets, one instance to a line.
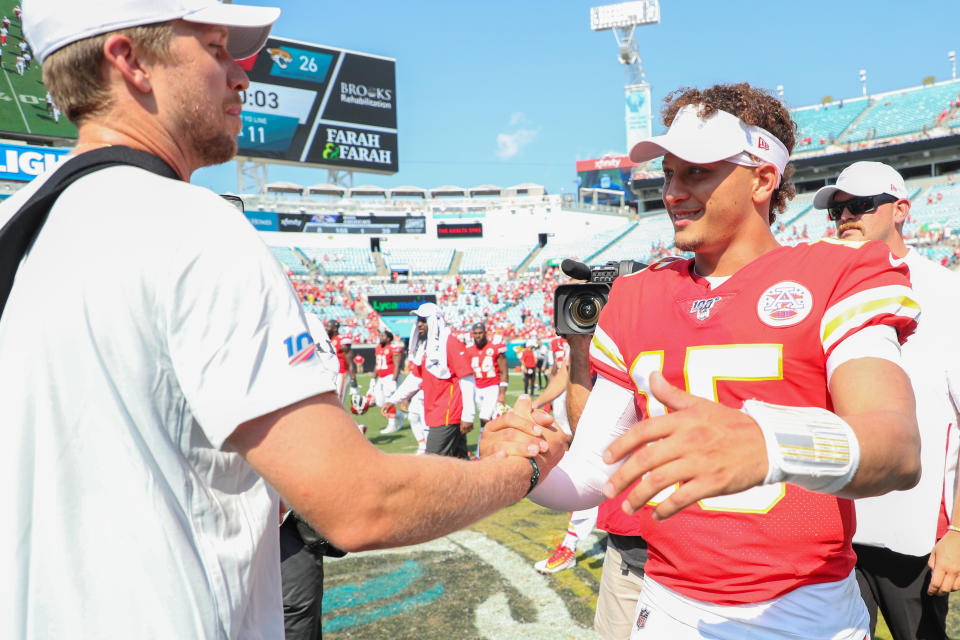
[765, 333]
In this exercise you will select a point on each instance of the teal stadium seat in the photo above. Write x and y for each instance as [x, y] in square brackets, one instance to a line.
[905, 112]
[342, 261]
[820, 125]
[290, 260]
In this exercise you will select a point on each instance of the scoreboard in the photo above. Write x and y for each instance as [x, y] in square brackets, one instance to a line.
[320, 106]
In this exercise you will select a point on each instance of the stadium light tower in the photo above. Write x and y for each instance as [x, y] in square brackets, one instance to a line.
[952, 57]
[863, 81]
[623, 18]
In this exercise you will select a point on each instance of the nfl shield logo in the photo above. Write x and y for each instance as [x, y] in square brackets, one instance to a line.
[642, 617]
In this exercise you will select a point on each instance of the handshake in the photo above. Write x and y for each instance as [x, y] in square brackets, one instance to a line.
[527, 433]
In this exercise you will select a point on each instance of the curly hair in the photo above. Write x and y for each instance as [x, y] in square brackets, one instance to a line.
[755, 107]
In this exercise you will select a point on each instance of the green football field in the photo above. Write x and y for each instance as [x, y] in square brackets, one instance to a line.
[477, 583]
[23, 107]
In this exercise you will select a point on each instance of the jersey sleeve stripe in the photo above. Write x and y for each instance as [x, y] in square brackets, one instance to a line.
[603, 349]
[858, 309]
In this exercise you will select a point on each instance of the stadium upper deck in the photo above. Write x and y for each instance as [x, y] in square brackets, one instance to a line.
[915, 129]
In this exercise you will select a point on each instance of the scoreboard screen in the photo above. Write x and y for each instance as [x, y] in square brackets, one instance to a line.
[320, 106]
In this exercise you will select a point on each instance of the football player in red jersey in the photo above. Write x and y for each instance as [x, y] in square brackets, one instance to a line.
[744, 503]
[387, 369]
[342, 344]
[489, 363]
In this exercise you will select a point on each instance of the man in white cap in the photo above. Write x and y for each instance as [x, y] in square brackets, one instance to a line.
[156, 407]
[769, 388]
[441, 369]
[896, 569]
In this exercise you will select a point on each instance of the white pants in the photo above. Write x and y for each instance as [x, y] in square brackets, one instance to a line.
[383, 388]
[487, 398]
[582, 522]
[560, 413]
[415, 415]
[342, 386]
[826, 611]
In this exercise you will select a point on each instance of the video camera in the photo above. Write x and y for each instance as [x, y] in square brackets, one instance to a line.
[576, 307]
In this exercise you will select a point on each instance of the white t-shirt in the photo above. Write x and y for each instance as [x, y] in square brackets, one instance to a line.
[146, 322]
[906, 521]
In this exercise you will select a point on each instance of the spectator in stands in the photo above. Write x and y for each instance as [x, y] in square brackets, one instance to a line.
[153, 415]
[896, 569]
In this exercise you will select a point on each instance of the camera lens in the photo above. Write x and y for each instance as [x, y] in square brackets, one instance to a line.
[585, 309]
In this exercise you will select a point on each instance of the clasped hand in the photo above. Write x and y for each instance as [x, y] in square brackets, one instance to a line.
[524, 432]
[701, 447]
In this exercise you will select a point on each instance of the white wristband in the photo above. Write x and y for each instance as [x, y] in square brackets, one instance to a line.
[806, 446]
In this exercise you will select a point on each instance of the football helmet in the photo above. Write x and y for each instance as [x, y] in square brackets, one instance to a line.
[360, 403]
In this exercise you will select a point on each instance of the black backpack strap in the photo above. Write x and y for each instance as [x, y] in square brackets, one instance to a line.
[17, 235]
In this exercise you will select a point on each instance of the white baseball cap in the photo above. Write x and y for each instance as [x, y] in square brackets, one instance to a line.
[425, 310]
[863, 179]
[52, 24]
[718, 136]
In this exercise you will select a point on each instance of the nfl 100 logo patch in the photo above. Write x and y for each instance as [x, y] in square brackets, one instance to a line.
[703, 306]
[784, 304]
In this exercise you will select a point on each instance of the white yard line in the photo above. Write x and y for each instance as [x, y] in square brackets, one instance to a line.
[16, 99]
[493, 619]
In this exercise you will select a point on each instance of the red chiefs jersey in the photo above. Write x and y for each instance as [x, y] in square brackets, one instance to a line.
[338, 342]
[765, 333]
[384, 359]
[484, 362]
[558, 347]
[442, 401]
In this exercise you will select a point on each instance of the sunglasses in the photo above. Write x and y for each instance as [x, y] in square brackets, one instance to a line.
[859, 206]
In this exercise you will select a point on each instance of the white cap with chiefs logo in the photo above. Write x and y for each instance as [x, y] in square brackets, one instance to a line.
[863, 179]
[718, 136]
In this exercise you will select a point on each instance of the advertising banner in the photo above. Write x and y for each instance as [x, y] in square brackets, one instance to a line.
[262, 220]
[638, 113]
[465, 230]
[24, 163]
[337, 223]
[399, 305]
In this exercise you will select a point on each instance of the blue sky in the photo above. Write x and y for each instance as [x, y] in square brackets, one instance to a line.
[509, 92]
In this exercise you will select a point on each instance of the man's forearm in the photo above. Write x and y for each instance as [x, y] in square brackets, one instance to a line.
[410, 385]
[556, 385]
[579, 385]
[397, 500]
[419, 498]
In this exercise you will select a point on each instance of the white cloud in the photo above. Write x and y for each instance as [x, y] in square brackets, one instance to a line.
[510, 144]
[517, 118]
